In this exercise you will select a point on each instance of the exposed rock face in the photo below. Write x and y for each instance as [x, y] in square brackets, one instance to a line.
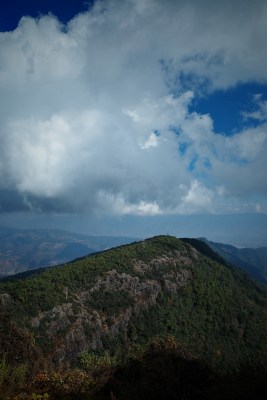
[142, 292]
[76, 326]
[4, 299]
[128, 295]
[183, 258]
[173, 282]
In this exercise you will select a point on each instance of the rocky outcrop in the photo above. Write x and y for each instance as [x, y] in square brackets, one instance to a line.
[75, 326]
[175, 258]
[174, 281]
[102, 309]
[119, 299]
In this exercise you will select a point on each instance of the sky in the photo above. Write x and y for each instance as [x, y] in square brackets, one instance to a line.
[135, 118]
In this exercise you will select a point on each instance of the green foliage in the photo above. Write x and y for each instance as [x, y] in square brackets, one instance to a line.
[97, 364]
[12, 378]
[60, 384]
[165, 369]
[217, 314]
[111, 302]
[253, 261]
[46, 288]
[4, 370]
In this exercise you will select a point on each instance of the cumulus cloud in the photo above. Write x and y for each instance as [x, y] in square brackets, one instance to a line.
[260, 111]
[95, 115]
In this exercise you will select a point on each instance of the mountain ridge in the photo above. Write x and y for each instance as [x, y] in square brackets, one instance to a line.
[121, 298]
[251, 260]
[27, 249]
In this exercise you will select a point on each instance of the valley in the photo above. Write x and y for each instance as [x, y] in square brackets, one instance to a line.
[27, 249]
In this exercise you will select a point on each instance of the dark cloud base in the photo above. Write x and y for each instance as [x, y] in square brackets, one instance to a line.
[11, 201]
[92, 124]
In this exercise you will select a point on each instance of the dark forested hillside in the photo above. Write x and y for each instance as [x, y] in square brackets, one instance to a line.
[253, 261]
[102, 323]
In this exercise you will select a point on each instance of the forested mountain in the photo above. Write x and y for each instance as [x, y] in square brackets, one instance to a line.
[26, 249]
[253, 261]
[153, 319]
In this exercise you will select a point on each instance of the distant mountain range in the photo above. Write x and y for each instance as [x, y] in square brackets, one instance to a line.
[161, 319]
[26, 249]
[253, 261]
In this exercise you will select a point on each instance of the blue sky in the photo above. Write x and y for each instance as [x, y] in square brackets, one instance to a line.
[12, 11]
[233, 102]
[134, 117]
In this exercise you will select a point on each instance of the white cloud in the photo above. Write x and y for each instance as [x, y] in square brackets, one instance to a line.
[87, 116]
[38, 51]
[152, 141]
[260, 113]
[121, 207]
[198, 195]
[248, 144]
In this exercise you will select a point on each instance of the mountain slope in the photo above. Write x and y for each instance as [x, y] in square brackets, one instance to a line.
[127, 295]
[253, 261]
[26, 249]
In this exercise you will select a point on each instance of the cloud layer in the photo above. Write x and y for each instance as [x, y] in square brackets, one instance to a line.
[95, 116]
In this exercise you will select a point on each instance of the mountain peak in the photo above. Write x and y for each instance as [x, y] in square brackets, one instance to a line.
[125, 296]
